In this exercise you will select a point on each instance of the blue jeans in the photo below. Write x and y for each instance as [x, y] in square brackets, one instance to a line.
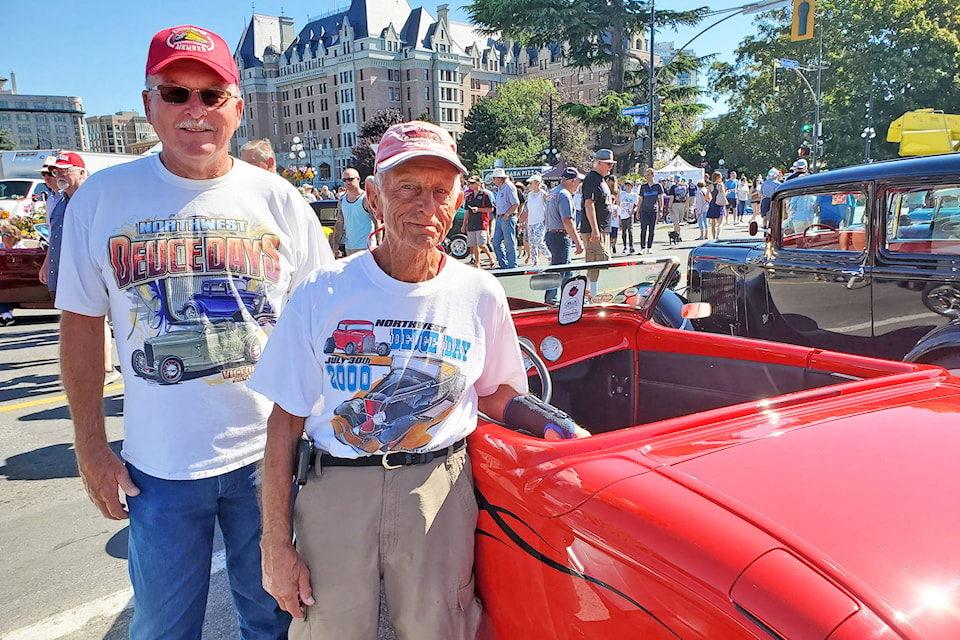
[559, 245]
[505, 233]
[648, 221]
[171, 542]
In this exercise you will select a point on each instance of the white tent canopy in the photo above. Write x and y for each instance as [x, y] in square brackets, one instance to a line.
[678, 167]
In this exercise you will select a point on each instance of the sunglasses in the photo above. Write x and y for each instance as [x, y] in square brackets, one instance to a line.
[8, 235]
[350, 179]
[46, 174]
[175, 94]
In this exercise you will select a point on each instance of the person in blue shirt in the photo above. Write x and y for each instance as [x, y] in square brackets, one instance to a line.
[731, 185]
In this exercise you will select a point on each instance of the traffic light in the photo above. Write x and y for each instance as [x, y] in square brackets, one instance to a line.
[657, 108]
[804, 150]
[777, 76]
[803, 23]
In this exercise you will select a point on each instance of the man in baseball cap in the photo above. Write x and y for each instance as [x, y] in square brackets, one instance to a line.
[415, 139]
[187, 42]
[384, 478]
[193, 436]
[559, 221]
[67, 160]
[798, 169]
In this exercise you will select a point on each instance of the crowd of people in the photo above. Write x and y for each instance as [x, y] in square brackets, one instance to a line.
[507, 220]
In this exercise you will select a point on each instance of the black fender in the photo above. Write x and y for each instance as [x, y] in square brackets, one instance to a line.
[939, 342]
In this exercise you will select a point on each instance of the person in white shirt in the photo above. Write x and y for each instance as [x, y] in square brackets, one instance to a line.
[532, 219]
[391, 494]
[194, 254]
[628, 210]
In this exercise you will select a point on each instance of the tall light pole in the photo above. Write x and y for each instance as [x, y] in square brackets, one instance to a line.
[550, 155]
[817, 127]
[296, 150]
[746, 9]
[653, 79]
[869, 133]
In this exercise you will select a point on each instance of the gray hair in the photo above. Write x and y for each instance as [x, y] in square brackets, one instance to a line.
[261, 150]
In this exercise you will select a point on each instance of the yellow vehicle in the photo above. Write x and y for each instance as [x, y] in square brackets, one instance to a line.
[925, 132]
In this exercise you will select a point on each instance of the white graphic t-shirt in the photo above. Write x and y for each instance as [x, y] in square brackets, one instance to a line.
[194, 274]
[628, 203]
[378, 365]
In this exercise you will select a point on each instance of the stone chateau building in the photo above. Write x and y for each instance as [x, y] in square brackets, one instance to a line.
[321, 84]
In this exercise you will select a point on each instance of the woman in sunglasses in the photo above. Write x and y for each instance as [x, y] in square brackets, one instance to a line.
[12, 239]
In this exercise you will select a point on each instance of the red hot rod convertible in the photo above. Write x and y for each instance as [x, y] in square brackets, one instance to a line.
[732, 489]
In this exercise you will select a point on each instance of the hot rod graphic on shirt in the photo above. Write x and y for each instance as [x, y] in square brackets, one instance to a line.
[397, 412]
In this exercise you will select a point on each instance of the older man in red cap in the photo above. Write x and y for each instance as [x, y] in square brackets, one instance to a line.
[195, 254]
[391, 493]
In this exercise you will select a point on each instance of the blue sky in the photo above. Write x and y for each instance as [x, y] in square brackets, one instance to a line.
[97, 49]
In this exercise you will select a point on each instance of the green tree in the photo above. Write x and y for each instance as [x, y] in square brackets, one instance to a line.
[903, 53]
[370, 133]
[513, 124]
[6, 140]
[593, 33]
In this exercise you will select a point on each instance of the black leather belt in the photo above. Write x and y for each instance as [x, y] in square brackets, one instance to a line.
[391, 460]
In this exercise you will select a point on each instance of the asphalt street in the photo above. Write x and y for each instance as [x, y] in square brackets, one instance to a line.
[63, 565]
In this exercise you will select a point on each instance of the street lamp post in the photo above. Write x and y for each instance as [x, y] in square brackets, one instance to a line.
[868, 133]
[746, 9]
[296, 150]
[653, 81]
[550, 155]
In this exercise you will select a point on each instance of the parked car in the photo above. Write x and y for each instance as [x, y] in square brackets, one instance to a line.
[326, 211]
[456, 241]
[197, 346]
[862, 259]
[733, 488]
[18, 195]
[223, 298]
[20, 280]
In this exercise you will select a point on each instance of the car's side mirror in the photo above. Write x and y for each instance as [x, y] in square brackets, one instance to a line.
[696, 310]
[545, 281]
[753, 228]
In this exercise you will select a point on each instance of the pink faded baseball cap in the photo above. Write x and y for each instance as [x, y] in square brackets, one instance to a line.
[192, 43]
[414, 139]
[69, 159]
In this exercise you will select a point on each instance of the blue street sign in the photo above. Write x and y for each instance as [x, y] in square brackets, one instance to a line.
[641, 120]
[638, 110]
[786, 63]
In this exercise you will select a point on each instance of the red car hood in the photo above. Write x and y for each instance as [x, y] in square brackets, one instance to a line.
[867, 493]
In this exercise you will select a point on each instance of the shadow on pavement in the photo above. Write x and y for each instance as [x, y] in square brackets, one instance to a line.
[116, 546]
[55, 461]
[21, 336]
[112, 408]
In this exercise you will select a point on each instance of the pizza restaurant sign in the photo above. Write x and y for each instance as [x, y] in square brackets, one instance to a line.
[517, 174]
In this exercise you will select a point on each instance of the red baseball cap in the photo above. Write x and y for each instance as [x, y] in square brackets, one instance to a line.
[192, 43]
[68, 159]
[414, 139]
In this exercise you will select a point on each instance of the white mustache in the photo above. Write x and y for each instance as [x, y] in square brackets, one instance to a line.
[193, 124]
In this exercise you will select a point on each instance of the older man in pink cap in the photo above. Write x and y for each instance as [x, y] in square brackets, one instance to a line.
[391, 493]
[195, 254]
